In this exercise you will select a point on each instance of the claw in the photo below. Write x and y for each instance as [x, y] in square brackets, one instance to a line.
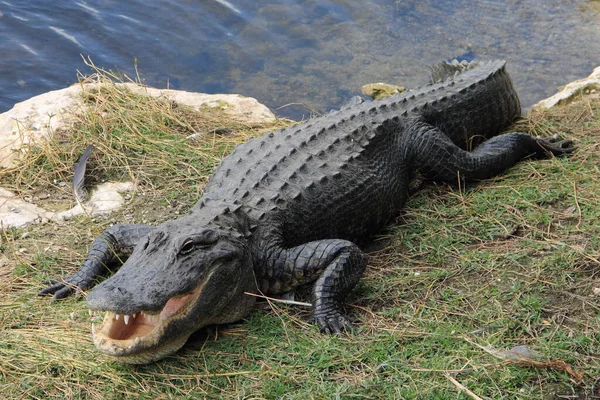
[333, 323]
[566, 144]
[63, 293]
[58, 290]
[55, 286]
[556, 146]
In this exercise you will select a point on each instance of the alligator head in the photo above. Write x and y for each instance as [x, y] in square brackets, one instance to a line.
[179, 279]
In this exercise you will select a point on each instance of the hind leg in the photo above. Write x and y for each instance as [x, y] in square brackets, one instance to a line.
[437, 157]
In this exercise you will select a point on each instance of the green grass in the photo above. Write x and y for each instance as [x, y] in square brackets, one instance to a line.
[463, 276]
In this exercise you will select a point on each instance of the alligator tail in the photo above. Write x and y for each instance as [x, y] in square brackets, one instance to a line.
[444, 70]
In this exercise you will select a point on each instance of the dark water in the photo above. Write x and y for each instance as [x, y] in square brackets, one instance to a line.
[311, 54]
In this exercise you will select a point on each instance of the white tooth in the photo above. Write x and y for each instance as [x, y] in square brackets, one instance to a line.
[133, 315]
[126, 319]
[117, 316]
[137, 340]
[90, 312]
[93, 329]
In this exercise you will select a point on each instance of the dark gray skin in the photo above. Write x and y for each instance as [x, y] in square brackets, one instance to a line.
[286, 209]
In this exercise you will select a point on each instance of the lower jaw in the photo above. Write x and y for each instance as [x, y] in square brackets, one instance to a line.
[144, 356]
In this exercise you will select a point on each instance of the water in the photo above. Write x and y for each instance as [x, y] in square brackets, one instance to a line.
[296, 57]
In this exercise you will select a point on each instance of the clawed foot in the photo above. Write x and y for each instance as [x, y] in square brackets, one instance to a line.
[556, 146]
[332, 322]
[61, 289]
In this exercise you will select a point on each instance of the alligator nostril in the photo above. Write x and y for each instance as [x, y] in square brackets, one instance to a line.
[118, 290]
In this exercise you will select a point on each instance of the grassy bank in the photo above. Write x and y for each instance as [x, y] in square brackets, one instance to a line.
[465, 276]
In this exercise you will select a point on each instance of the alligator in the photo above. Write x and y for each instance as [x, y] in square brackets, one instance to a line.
[288, 208]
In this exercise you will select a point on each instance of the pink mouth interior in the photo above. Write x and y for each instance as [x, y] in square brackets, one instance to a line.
[144, 323]
[175, 304]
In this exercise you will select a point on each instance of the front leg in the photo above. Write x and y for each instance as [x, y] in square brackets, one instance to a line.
[114, 244]
[336, 265]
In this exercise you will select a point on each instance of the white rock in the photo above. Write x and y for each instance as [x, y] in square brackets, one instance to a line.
[567, 93]
[245, 109]
[35, 119]
[29, 213]
[104, 198]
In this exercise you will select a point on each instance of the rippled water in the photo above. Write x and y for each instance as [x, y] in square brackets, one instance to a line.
[294, 56]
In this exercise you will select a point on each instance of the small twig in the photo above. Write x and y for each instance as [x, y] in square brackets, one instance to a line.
[557, 365]
[462, 387]
[593, 259]
[445, 371]
[486, 328]
[283, 301]
[576, 204]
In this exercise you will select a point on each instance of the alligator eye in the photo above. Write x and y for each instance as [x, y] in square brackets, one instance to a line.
[202, 240]
[187, 247]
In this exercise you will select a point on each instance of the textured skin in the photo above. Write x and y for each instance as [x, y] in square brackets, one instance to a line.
[297, 200]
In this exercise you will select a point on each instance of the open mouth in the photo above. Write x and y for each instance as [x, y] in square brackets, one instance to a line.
[125, 335]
